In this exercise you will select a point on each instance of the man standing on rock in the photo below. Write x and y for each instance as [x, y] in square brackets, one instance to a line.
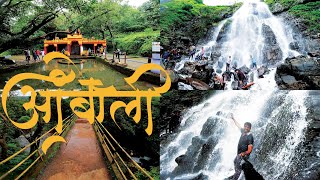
[245, 147]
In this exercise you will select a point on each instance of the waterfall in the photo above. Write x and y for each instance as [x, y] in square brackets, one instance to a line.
[252, 31]
[207, 141]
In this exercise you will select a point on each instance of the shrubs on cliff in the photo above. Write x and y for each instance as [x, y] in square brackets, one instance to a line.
[190, 19]
[309, 13]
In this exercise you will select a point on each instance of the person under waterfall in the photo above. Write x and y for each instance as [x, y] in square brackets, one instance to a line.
[245, 147]
[241, 78]
[254, 62]
[229, 60]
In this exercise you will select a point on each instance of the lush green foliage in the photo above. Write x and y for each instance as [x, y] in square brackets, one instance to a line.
[10, 133]
[309, 13]
[154, 172]
[191, 17]
[138, 42]
[284, 3]
[23, 22]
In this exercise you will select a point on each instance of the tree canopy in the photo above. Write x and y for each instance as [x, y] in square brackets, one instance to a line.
[25, 23]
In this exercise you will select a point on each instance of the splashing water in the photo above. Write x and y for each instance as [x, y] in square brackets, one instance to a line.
[291, 115]
[252, 31]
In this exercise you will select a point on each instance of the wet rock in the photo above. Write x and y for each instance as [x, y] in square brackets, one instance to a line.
[314, 54]
[216, 54]
[219, 71]
[271, 51]
[189, 68]
[206, 105]
[262, 71]
[205, 153]
[294, 46]
[201, 75]
[7, 61]
[201, 176]
[209, 127]
[183, 86]
[245, 69]
[220, 64]
[305, 70]
[181, 160]
[187, 161]
[197, 84]
[289, 79]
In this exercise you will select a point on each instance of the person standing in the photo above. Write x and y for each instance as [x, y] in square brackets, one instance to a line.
[42, 54]
[38, 54]
[245, 146]
[192, 52]
[253, 61]
[229, 60]
[34, 55]
[28, 55]
[202, 52]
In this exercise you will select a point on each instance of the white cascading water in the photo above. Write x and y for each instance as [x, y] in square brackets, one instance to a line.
[246, 107]
[245, 36]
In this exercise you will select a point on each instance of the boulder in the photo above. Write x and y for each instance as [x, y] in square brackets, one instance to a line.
[197, 84]
[300, 72]
[201, 75]
[7, 61]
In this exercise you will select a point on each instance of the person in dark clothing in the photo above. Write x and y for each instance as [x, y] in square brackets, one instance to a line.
[34, 55]
[26, 54]
[166, 55]
[245, 147]
[241, 78]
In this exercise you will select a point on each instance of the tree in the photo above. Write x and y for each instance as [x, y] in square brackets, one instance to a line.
[21, 21]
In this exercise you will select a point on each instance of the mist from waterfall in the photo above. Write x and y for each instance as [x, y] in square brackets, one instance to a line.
[252, 31]
[209, 125]
[246, 35]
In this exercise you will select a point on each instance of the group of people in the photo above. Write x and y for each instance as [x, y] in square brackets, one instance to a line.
[35, 54]
[238, 74]
[170, 57]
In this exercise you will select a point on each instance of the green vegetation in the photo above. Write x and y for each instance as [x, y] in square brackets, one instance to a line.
[309, 13]
[25, 23]
[9, 133]
[190, 18]
[132, 136]
[138, 42]
[154, 172]
[284, 3]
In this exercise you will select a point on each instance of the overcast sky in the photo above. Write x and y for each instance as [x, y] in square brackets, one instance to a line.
[136, 3]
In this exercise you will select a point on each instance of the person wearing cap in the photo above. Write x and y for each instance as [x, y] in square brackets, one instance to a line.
[245, 146]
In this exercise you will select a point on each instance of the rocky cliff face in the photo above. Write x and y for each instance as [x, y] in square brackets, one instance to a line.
[179, 101]
[275, 131]
[300, 72]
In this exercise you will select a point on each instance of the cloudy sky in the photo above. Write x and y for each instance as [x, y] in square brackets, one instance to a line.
[136, 3]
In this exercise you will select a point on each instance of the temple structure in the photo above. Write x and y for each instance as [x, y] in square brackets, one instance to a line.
[74, 44]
